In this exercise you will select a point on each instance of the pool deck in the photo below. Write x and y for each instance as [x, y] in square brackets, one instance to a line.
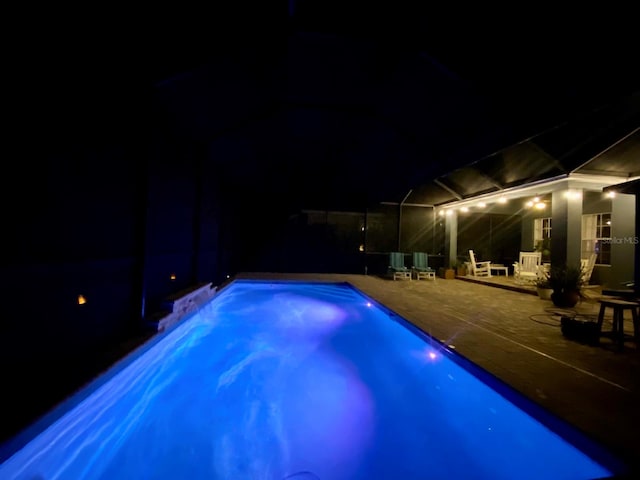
[510, 332]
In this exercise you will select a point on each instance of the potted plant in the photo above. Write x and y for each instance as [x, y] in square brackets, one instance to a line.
[543, 287]
[566, 281]
[544, 247]
[461, 269]
[448, 273]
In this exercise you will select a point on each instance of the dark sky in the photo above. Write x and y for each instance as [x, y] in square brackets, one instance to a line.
[90, 77]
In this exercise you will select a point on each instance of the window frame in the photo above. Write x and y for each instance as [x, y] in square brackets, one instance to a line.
[539, 229]
[600, 242]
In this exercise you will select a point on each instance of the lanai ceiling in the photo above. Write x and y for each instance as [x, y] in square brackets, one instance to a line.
[606, 141]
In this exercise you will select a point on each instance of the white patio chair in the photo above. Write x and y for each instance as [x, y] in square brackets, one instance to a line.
[479, 269]
[528, 268]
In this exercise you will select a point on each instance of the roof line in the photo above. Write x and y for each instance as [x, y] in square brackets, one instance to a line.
[506, 191]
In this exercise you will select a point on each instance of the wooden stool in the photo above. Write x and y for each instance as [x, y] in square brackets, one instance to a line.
[619, 306]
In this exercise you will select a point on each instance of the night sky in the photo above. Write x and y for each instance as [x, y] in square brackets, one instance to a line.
[92, 78]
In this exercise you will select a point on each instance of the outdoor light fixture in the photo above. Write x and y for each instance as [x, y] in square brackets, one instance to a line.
[441, 213]
[361, 248]
[464, 209]
[535, 193]
[449, 212]
[172, 277]
[81, 300]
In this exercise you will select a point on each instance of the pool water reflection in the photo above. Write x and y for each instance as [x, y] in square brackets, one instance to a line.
[275, 380]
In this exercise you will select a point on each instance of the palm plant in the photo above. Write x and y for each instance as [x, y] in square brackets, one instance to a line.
[566, 281]
[543, 281]
[565, 278]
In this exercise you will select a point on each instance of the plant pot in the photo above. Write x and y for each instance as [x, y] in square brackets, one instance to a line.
[544, 293]
[447, 273]
[565, 299]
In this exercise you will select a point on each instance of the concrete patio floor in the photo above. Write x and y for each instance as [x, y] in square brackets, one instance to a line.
[516, 336]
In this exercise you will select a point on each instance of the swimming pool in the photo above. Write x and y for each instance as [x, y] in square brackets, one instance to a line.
[275, 380]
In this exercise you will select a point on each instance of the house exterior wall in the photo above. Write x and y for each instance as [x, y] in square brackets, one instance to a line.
[526, 238]
[623, 238]
[492, 236]
[595, 202]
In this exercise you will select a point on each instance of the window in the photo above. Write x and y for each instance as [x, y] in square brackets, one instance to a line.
[541, 229]
[596, 237]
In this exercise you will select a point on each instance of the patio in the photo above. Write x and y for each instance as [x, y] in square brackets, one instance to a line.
[516, 336]
[506, 282]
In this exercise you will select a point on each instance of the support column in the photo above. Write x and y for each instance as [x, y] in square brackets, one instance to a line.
[400, 219]
[623, 240]
[450, 239]
[566, 228]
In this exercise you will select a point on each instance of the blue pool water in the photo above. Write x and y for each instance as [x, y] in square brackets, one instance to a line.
[288, 380]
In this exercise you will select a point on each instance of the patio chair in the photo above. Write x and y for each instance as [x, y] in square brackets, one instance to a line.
[397, 268]
[421, 266]
[479, 269]
[528, 268]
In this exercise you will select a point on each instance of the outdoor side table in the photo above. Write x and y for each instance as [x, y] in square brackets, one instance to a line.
[619, 307]
[500, 268]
